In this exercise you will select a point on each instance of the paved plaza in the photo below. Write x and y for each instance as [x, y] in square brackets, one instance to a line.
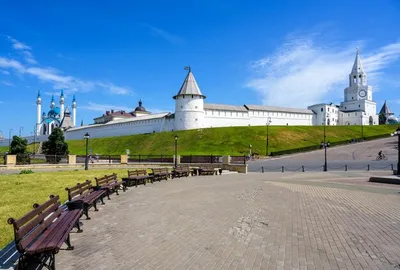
[332, 220]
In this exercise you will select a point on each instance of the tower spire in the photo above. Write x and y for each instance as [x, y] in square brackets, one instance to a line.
[357, 66]
[52, 104]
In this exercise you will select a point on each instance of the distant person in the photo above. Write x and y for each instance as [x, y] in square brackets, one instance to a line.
[380, 154]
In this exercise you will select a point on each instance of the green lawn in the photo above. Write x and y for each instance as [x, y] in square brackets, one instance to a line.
[225, 141]
[21, 191]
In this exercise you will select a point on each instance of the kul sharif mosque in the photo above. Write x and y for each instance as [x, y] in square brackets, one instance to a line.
[57, 116]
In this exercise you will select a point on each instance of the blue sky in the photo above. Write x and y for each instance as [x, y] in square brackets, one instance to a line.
[111, 54]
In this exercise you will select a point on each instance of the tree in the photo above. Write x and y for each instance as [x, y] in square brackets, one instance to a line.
[55, 146]
[18, 145]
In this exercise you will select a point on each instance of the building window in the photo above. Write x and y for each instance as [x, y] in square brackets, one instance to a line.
[322, 109]
[195, 107]
[328, 109]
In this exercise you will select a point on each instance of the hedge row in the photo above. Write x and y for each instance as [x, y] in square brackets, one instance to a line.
[318, 146]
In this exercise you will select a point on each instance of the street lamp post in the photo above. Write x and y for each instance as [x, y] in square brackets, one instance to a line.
[325, 144]
[397, 132]
[9, 139]
[362, 128]
[176, 151]
[86, 137]
[268, 123]
[250, 150]
[20, 131]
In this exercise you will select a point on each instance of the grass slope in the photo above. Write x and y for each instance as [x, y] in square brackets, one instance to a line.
[225, 141]
[23, 190]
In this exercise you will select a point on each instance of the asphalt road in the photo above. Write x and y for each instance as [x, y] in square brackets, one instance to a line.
[357, 156]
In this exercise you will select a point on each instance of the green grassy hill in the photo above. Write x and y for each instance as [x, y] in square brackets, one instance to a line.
[226, 141]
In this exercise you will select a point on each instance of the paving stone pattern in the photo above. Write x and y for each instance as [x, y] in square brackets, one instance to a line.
[237, 221]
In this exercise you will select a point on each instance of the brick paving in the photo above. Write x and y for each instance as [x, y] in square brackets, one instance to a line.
[237, 221]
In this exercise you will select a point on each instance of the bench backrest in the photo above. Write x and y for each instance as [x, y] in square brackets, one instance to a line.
[160, 170]
[106, 179]
[32, 224]
[182, 168]
[137, 173]
[80, 190]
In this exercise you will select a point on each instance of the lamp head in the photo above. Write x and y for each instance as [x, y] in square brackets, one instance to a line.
[86, 136]
[176, 137]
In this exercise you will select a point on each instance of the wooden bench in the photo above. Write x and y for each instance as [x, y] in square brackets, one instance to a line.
[40, 233]
[87, 194]
[209, 170]
[110, 184]
[180, 171]
[136, 177]
[160, 174]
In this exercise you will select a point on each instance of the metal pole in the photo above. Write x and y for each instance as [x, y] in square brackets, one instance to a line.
[86, 159]
[267, 139]
[398, 151]
[34, 140]
[362, 129]
[9, 139]
[326, 165]
[176, 153]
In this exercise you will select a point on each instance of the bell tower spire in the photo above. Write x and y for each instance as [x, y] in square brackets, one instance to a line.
[357, 76]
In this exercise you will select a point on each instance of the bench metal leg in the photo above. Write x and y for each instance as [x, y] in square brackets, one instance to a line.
[86, 211]
[68, 242]
[116, 190]
[102, 200]
[78, 226]
[95, 206]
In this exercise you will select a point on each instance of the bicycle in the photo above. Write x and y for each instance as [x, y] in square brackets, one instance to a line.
[383, 157]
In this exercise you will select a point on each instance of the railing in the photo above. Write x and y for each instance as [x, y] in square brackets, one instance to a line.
[345, 168]
[103, 159]
[150, 158]
[201, 159]
[27, 159]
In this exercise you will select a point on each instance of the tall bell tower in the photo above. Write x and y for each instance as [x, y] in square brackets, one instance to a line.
[358, 106]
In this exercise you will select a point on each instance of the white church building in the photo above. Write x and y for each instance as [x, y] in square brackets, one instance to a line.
[192, 112]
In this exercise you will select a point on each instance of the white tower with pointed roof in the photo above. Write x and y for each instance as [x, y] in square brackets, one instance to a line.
[358, 106]
[74, 111]
[189, 104]
[62, 101]
[38, 112]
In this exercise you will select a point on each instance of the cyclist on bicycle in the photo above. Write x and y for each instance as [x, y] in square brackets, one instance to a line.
[380, 154]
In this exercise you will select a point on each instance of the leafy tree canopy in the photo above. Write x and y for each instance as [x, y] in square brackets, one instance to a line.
[18, 145]
[55, 145]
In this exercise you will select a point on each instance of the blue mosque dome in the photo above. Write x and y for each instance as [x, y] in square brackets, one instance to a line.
[54, 112]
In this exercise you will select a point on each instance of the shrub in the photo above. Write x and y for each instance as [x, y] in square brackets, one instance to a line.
[26, 172]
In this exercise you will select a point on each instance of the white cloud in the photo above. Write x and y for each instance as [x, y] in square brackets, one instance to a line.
[59, 80]
[301, 72]
[7, 83]
[171, 38]
[60, 55]
[91, 106]
[4, 72]
[24, 49]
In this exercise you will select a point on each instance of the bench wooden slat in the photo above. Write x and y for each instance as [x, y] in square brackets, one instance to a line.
[38, 219]
[53, 233]
[31, 214]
